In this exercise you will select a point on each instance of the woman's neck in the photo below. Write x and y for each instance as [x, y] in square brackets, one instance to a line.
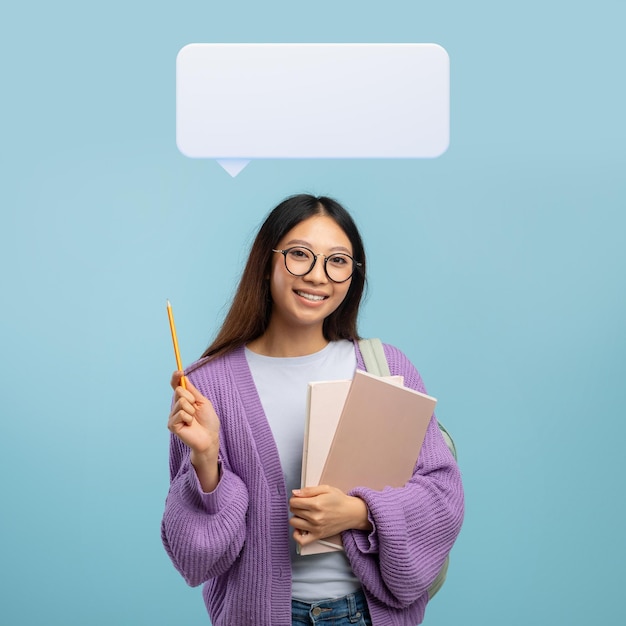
[286, 343]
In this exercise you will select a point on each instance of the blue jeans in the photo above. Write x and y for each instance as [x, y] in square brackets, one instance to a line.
[351, 610]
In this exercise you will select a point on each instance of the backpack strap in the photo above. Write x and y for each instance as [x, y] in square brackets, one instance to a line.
[374, 357]
[376, 363]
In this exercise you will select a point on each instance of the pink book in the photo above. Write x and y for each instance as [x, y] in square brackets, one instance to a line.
[378, 437]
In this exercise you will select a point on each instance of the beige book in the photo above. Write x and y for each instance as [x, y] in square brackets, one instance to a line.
[325, 403]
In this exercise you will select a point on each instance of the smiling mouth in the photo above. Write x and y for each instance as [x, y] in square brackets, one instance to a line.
[310, 296]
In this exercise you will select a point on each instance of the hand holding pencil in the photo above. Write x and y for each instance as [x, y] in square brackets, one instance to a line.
[194, 421]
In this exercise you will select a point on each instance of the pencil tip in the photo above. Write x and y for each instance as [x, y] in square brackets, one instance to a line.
[168, 302]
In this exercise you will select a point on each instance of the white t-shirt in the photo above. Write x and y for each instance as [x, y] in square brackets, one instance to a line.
[282, 387]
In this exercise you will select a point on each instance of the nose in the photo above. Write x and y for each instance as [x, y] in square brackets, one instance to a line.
[318, 272]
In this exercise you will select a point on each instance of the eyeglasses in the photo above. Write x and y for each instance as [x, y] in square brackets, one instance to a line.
[299, 261]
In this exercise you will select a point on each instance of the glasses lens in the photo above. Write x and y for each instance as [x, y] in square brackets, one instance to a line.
[339, 267]
[299, 261]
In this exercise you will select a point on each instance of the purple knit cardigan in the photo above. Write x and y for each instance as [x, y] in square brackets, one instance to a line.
[235, 539]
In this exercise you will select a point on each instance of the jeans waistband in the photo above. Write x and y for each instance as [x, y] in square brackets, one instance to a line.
[353, 607]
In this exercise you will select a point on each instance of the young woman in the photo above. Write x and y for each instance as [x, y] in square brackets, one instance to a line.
[234, 511]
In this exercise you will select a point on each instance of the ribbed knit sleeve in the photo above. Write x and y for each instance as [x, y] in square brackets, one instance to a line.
[414, 527]
[203, 533]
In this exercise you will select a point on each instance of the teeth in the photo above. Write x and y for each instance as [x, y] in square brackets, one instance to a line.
[310, 296]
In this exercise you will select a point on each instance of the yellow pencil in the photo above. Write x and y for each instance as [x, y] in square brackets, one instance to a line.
[179, 365]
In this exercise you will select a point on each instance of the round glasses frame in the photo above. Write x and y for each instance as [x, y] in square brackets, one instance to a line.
[355, 263]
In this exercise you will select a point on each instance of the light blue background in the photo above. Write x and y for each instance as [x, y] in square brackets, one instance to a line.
[498, 268]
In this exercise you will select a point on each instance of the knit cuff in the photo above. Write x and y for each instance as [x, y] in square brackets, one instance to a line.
[216, 500]
[366, 542]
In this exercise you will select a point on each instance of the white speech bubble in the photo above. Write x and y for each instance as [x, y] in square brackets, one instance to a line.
[238, 102]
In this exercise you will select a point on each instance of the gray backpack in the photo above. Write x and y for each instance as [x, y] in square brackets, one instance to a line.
[376, 363]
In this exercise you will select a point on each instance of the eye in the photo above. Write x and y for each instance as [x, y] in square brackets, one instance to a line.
[339, 260]
[299, 254]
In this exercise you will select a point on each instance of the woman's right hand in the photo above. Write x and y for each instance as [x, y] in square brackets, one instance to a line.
[194, 421]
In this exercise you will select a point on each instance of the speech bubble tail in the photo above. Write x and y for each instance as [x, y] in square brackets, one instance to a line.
[233, 166]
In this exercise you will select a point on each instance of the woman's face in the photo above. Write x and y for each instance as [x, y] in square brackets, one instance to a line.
[308, 300]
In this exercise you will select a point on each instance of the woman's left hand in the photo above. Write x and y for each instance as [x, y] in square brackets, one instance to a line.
[324, 511]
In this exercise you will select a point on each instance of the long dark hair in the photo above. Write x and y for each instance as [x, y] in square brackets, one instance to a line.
[250, 311]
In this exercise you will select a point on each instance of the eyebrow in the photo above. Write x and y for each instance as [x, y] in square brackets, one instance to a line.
[302, 242]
